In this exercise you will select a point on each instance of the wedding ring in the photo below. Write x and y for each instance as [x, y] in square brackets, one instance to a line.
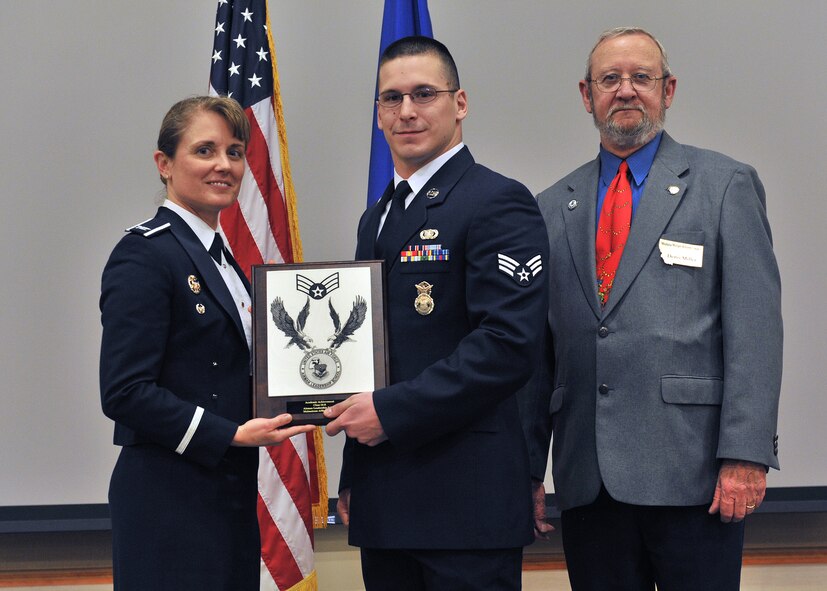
[750, 506]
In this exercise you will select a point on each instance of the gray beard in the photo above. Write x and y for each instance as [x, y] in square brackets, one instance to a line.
[630, 137]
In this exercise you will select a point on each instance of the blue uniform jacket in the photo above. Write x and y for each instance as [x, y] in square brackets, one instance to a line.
[182, 500]
[454, 472]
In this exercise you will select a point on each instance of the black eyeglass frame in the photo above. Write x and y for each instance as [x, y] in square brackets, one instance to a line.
[416, 96]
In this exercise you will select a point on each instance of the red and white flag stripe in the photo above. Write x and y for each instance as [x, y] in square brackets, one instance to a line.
[285, 521]
[262, 227]
[255, 225]
[256, 231]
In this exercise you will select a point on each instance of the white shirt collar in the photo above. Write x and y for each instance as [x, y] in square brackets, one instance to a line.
[418, 179]
[201, 228]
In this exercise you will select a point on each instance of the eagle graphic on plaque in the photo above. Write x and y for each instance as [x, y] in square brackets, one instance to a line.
[319, 368]
[294, 330]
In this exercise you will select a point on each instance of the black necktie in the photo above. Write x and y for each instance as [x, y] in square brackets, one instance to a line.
[215, 252]
[395, 213]
[216, 248]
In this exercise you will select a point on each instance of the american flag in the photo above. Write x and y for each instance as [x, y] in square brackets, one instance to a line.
[263, 226]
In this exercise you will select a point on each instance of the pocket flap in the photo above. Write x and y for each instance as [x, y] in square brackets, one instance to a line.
[421, 267]
[692, 390]
[687, 236]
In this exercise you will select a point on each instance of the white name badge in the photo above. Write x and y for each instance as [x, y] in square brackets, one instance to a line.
[681, 253]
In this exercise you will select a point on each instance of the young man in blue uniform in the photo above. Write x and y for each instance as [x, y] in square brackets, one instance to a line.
[435, 483]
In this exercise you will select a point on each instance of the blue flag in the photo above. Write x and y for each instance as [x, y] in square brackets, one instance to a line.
[401, 18]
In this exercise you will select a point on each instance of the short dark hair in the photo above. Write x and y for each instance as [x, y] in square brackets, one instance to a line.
[418, 45]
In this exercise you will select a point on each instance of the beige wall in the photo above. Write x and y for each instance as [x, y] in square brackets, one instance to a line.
[87, 81]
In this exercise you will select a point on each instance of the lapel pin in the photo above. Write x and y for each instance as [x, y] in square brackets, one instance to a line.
[673, 189]
[194, 284]
[432, 193]
[429, 234]
[572, 204]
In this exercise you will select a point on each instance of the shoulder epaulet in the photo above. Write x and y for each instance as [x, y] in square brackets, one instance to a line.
[147, 231]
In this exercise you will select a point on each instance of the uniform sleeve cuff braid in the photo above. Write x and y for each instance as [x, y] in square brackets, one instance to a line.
[196, 420]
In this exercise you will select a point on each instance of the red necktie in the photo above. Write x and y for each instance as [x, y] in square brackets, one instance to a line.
[613, 231]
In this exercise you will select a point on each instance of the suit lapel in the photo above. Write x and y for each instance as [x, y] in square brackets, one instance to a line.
[579, 215]
[206, 267]
[366, 248]
[659, 201]
[434, 192]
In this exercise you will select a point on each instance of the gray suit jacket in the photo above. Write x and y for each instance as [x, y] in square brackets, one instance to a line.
[682, 368]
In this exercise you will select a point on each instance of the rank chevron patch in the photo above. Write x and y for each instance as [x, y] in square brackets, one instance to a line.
[522, 274]
[317, 290]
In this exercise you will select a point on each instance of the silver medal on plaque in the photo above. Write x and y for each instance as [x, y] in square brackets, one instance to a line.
[320, 368]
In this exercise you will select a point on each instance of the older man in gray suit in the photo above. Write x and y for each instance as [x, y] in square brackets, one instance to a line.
[666, 342]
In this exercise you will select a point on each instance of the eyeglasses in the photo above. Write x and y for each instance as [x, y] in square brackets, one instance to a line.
[420, 96]
[612, 82]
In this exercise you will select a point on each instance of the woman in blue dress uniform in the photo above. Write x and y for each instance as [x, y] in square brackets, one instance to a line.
[175, 372]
